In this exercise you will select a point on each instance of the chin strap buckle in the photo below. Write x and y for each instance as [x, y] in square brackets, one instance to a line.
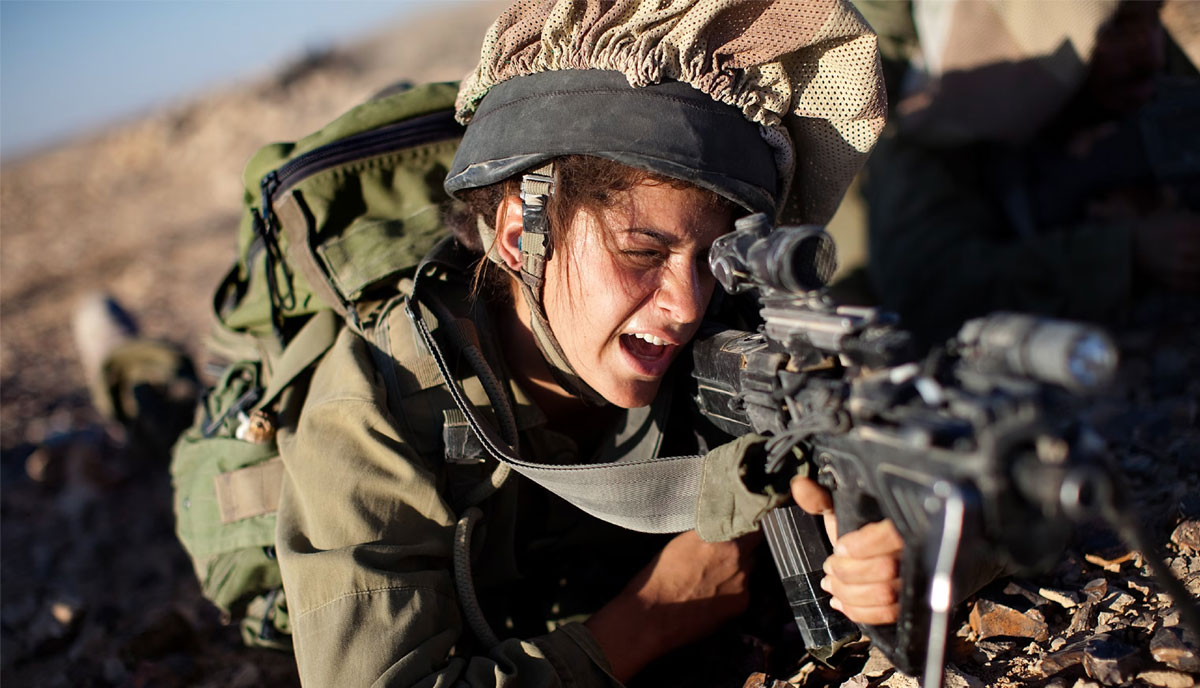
[536, 187]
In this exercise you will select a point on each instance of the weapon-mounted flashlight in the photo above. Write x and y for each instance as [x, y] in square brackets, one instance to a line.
[1069, 354]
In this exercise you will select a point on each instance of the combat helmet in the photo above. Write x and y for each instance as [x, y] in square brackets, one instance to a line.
[773, 105]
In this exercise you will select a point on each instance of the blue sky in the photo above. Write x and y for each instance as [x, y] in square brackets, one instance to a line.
[67, 66]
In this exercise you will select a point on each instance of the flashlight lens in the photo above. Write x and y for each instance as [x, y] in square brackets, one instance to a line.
[1092, 360]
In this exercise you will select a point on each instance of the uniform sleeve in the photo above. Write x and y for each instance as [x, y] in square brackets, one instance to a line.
[942, 252]
[365, 545]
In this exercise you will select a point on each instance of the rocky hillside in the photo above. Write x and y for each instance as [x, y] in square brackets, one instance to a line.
[148, 210]
[96, 590]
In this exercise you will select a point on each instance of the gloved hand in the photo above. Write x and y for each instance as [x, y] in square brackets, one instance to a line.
[727, 508]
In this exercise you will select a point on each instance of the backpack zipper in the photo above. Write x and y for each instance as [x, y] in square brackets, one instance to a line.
[407, 133]
[404, 134]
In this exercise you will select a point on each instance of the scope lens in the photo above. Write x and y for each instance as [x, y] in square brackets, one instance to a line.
[1092, 360]
[801, 259]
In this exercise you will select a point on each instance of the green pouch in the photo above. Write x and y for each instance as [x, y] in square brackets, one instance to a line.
[220, 482]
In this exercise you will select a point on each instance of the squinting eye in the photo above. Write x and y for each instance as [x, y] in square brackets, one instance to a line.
[643, 256]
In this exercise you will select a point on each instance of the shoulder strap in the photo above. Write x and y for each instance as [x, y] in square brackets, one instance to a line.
[309, 344]
[653, 496]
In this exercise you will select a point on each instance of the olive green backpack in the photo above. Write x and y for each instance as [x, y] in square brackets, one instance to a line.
[332, 223]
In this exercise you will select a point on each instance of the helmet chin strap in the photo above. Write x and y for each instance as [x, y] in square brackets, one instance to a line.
[536, 187]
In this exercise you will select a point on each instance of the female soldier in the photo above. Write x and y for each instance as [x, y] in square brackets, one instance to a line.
[608, 145]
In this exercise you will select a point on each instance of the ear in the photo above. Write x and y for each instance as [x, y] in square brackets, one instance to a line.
[509, 225]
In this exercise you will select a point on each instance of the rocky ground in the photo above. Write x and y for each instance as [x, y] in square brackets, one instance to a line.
[96, 590]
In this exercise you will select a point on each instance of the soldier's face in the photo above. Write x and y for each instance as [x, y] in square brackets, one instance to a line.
[632, 288]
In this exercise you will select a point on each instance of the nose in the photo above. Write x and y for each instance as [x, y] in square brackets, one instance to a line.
[683, 293]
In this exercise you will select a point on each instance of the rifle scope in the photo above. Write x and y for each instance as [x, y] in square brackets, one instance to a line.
[794, 259]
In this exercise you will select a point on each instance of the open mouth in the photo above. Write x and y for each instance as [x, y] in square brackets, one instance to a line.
[651, 354]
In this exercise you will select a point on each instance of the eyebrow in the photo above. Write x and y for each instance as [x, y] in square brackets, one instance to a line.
[656, 235]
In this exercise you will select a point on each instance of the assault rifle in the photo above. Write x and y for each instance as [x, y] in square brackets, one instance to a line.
[975, 449]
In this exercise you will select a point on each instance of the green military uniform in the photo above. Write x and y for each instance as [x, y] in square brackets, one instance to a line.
[373, 488]
[381, 475]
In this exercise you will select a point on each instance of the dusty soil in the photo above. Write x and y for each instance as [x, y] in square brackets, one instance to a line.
[96, 591]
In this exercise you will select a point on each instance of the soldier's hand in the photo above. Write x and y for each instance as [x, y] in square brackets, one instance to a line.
[863, 573]
[684, 594]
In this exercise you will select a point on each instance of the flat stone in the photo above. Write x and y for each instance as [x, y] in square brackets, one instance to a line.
[1096, 589]
[877, 664]
[758, 680]
[1166, 679]
[1145, 620]
[1109, 660]
[1017, 589]
[1169, 616]
[859, 681]
[1064, 598]
[1065, 658]
[953, 677]
[1168, 646]
[755, 680]
[800, 678]
[899, 680]
[990, 619]
[1143, 590]
[987, 650]
[1179, 565]
[1081, 620]
[1118, 602]
[1111, 564]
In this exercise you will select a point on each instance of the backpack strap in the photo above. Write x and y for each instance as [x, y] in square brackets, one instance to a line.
[309, 344]
[254, 490]
[652, 496]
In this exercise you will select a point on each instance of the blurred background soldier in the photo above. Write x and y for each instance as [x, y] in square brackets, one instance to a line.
[1043, 157]
[146, 389]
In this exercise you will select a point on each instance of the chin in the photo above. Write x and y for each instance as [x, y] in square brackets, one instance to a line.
[633, 394]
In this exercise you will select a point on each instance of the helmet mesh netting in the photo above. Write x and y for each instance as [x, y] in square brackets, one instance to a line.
[807, 71]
